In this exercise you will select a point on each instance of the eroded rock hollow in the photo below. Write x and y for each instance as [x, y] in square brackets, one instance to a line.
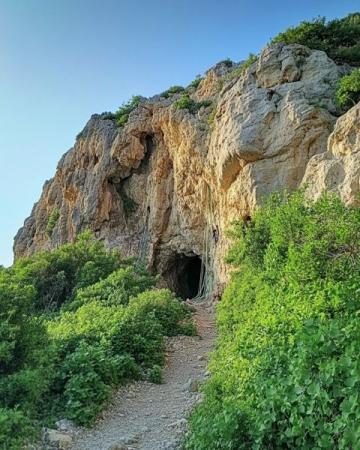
[167, 185]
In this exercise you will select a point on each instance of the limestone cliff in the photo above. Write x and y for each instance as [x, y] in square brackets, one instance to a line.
[170, 176]
[338, 169]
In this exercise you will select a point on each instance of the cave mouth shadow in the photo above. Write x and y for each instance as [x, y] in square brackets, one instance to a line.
[183, 275]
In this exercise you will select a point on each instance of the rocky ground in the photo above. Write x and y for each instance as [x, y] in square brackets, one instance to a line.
[145, 416]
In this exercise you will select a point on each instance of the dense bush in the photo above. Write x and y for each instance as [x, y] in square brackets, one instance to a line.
[58, 274]
[122, 114]
[155, 375]
[21, 335]
[339, 38]
[348, 90]
[227, 62]
[75, 323]
[14, 425]
[172, 90]
[186, 102]
[286, 373]
[117, 288]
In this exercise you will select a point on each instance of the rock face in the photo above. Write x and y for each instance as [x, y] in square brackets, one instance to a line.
[169, 183]
[338, 169]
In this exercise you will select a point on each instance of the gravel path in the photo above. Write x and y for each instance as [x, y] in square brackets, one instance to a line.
[145, 416]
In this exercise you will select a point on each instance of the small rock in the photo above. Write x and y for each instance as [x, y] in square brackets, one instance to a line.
[170, 445]
[55, 439]
[132, 440]
[65, 425]
[192, 385]
[118, 447]
[178, 424]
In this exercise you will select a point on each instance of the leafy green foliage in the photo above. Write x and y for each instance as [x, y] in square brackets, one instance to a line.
[239, 70]
[348, 90]
[58, 274]
[108, 115]
[74, 324]
[117, 288]
[122, 114]
[88, 374]
[52, 221]
[339, 38]
[155, 374]
[186, 102]
[172, 90]
[14, 425]
[20, 334]
[173, 316]
[227, 62]
[285, 373]
[195, 83]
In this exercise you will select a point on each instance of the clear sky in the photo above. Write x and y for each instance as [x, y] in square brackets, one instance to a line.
[63, 60]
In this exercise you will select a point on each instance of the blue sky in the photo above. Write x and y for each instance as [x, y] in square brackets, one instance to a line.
[63, 60]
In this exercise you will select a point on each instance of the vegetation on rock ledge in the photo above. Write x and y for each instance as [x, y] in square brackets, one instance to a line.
[186, 102]
[52, 221]
[122, 114]
[339, 38]
[348, 90]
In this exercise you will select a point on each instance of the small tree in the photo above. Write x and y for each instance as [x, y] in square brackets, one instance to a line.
[348, 90]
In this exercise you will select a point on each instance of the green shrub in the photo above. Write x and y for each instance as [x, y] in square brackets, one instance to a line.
[88, 374]
[285, 370]
[56, 275]
[90, 322]
[122, 114]
[348, 90]
[185, 102]
[172, 90]
[14, 425]
[155, 375]
[339, 38]
[52, 221]
[239, 70]
[21, 335]
[227, 62]
[108, 115]
[173, 315]
[116, 289]
[26, 387]
[195, 83]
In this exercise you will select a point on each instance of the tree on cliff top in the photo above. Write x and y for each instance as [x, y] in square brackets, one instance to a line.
[339, 38]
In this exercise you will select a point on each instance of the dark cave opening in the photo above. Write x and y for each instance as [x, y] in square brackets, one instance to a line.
[183, 275]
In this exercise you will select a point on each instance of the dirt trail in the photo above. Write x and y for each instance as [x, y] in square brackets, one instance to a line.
[147, 416]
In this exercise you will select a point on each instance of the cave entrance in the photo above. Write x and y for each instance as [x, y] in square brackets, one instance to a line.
[183, 275]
